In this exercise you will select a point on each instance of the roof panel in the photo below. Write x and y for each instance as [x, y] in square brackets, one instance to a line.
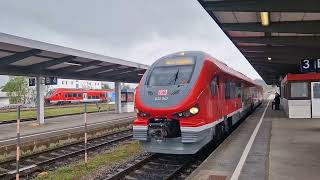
[30, 61]
[34, 58]
[12, 47]
[247, 17]
[245, 34]
[311, 16]
[4, 54]
[58, 66]
[275, 16]
[285, 16]
[51, 54]
[226, 17]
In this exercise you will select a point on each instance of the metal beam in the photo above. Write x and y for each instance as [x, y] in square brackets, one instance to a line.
[263, 5]
[303, 27]
[308, 41]
[52, 62]
[278, 49]
[292, 56]
[116, 72]
[129, 74]
[273, 61]
[71, 69]
[18, 56]
[94, 71]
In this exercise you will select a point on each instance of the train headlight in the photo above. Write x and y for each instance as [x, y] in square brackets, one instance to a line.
[194, 110]
[191, 112]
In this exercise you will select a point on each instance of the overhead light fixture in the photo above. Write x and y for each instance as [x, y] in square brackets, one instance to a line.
[140, 74]
[269, 58]
[264, 18]
[72, 64]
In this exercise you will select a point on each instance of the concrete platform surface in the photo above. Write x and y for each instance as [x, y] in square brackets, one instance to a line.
[283, 149]
[8, 131]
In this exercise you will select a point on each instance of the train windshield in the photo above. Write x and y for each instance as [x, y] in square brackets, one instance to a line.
[170, 75]
[50, 92]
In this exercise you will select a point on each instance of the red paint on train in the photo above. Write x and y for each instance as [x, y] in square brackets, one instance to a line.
[63, 96]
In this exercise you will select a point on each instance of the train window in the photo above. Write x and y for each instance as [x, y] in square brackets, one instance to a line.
[170, 75]
[238, 90]
[230, 90]
[74, 95]
[299, 90]
[214, 86]
[79, 95]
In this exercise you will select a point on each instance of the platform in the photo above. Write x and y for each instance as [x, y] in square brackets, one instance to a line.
[283, 149]
[60, 124]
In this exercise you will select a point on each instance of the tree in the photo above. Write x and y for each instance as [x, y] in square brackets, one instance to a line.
[105, 86]
[125, 86]
[17, 89]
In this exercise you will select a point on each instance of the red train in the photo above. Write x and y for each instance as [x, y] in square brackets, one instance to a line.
[65, 96]
[186, 100]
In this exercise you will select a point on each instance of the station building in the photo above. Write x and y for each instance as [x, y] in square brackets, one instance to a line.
[4, 99]
[301, 95]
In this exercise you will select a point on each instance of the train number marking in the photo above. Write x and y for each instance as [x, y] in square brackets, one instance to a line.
[161, 98]
[162, 92]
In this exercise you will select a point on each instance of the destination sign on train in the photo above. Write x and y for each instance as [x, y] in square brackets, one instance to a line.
[179, 61]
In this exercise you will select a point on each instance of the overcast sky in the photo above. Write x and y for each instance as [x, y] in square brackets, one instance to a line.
[135, 30]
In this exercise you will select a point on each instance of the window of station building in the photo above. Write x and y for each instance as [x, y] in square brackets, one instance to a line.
[316, 91]
[214, 85]
[299, 90]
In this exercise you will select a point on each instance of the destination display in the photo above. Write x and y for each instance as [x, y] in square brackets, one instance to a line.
[51, 81]
[310, 65]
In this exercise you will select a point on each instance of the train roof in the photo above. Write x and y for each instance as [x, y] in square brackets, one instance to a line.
[226, 69]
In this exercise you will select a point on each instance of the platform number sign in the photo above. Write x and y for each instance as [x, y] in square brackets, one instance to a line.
[310, 65]
[32, 81]
[51, 81]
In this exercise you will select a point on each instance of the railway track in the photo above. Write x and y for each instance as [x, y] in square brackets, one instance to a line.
[161, 166]
[166, 166]
[37, 162]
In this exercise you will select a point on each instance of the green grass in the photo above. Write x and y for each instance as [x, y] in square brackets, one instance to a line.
[4, 116]
[105, 160]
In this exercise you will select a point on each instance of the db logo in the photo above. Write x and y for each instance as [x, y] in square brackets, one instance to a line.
[162, 92]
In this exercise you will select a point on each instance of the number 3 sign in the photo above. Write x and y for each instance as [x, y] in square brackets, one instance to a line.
[310, 65]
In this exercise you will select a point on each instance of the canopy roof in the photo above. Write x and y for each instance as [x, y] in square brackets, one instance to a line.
[26, 57]
[275, 49]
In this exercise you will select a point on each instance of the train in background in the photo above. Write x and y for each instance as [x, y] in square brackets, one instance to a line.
[67, 96]
[188, 99]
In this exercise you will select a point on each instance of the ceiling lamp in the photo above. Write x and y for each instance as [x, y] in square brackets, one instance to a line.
[264, 18]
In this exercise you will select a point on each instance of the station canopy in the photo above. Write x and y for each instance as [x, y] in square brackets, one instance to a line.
[274, 35]
[25, 57]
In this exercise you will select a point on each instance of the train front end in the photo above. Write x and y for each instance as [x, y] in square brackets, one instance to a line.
[168, 107]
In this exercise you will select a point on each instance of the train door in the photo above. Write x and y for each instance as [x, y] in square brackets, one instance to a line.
[315, 99]
[85, 96]
[215, 92]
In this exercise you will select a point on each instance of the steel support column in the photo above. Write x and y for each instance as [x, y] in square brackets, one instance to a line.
[117, 90]
[40, 87]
